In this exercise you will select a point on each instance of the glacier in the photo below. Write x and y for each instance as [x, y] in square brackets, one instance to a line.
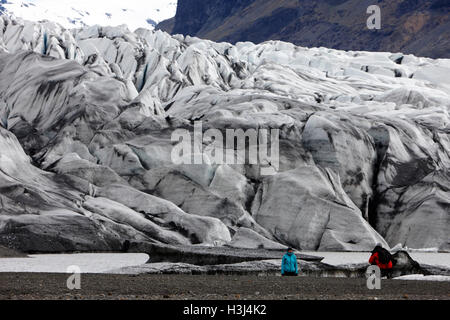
[86, 117]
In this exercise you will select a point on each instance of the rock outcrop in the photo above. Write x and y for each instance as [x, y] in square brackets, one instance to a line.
[8, 253]
[405, 266]
[201, 255]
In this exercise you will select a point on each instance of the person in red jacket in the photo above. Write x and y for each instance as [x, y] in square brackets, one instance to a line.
[383, 259]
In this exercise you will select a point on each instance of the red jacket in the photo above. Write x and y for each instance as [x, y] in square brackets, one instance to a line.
[375, 260]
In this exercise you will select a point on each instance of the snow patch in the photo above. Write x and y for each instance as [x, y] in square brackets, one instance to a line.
[421, 277]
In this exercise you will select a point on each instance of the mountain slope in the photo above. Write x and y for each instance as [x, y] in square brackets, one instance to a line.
[87, 118]
[417, 27]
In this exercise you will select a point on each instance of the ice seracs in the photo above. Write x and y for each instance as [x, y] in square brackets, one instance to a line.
[87, 117]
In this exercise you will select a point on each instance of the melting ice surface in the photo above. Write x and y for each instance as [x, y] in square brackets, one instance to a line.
[58, 263]
[416, 277]
[342, 258]
[102, 263]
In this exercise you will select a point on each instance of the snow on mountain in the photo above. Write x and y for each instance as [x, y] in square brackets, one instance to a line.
[82, 13]
[87, 116]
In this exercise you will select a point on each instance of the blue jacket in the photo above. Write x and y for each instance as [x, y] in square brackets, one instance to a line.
[289, 263]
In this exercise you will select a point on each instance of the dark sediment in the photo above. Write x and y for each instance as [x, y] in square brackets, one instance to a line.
[180, 287]
[9, 253]
[209, 255]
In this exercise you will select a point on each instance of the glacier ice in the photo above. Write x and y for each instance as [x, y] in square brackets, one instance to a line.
[86, 117]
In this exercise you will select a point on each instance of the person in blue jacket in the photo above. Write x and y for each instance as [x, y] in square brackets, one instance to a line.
[289, 265]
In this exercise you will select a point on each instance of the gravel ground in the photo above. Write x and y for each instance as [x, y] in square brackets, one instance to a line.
[32, 286]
